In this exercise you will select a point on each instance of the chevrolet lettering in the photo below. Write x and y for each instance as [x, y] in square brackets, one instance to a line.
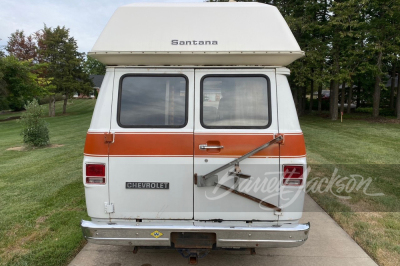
[146, 185]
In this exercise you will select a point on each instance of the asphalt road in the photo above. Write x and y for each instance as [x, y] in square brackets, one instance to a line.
[327, 245]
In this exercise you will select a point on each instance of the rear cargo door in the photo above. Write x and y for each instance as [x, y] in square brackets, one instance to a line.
[235, 112]
[151, 157]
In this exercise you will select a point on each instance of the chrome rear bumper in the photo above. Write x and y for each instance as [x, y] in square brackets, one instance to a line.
[132, 234]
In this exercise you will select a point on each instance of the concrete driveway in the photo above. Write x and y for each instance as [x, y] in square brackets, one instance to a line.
[327, 245]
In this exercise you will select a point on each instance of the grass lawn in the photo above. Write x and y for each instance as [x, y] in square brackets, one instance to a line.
[41, 192]
[366, 148]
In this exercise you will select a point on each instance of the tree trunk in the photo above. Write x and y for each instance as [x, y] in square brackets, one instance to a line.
[52, 106]
[335, 92]
[299, 101]
[377, 89]
[331, 90]
[398, 99]
[296, 99]
[342, 97]
[312, 95]
[349, 98]
[320, 98]
[65, 104]
[335, 89]
[304, 100]
[392, 87]
[358, 94]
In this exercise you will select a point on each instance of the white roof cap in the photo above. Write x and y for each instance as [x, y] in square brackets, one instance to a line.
[197, 34]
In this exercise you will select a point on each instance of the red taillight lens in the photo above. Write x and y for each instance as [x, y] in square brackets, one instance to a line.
[95, 170]
[293, 175]
[293, 171]
[95, 174]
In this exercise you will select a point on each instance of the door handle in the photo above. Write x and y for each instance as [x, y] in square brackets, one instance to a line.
[205, 147]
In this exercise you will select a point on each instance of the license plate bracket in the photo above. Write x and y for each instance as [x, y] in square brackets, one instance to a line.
[193, 240]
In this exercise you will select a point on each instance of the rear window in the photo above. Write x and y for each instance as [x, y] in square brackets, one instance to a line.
[235, 102]
[153, 101]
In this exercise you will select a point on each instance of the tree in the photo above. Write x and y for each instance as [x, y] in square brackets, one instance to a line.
[21, 46]
[34, 131]
[382, 41]
[3, 90]
[19, 81]
[93, 66]
[398, 100]
[349, 24]
[65, 64]
[1, 51]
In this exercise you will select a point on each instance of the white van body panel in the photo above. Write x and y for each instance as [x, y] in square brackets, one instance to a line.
[96, 195]
[102, 112]
[287, 114]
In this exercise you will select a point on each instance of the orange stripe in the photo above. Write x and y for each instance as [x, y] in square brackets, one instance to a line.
[293, 145]
[238, 145]
[95, 145]
[152, 144]
[234, 145]
[156, 144]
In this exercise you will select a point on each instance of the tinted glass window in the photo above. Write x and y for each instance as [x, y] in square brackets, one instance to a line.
[152, 101]
[230, 102]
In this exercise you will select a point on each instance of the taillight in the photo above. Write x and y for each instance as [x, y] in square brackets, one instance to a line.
[293, 175]
[95, 174]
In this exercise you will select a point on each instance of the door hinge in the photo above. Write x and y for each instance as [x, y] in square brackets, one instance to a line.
[108, 207]
[109, 137]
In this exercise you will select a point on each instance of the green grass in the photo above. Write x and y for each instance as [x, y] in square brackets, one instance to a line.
[369, 148]
[41, 192]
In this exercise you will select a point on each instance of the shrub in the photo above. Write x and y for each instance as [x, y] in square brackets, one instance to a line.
[34, 131]
[382, 111]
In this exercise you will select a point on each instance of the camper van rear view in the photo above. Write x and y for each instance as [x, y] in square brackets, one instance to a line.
[194, 143]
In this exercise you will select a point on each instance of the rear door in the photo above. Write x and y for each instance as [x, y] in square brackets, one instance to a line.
[151, 158]
[236, 112]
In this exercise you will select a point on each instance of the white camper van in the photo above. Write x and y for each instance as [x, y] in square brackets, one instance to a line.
[194, 142]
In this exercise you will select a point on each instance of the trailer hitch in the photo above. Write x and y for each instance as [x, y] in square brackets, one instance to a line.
[194, 254]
